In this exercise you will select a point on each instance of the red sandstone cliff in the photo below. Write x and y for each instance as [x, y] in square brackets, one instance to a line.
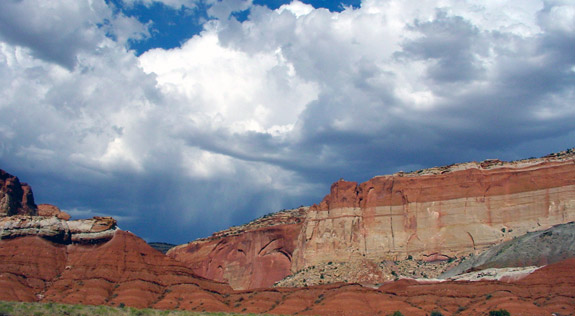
[439, 212]
[251, 256]
[431, 214]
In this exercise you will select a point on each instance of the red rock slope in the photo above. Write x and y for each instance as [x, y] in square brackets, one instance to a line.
[251, 256]
[122, 270]
[126, 270]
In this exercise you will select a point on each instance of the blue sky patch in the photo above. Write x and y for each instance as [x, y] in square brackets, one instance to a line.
[171, 27]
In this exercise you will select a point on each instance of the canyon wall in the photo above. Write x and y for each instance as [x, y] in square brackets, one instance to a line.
[437, 213]
[432, 214]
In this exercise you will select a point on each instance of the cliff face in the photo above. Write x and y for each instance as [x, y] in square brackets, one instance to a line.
[250, 256]
[432, 214]
[15, 197]
[439, 212]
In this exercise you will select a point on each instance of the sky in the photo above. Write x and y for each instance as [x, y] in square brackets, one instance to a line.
[184, 117]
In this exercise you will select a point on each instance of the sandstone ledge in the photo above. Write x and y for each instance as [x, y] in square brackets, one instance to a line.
[95, 230]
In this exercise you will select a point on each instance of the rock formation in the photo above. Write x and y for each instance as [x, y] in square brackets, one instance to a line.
[434, 214]
[122, 270]
[125, 270]
[95, 230]
[250, 256]
[15, 197]
[48, 259]
[439, 212]
[532, 249]
[52, 210]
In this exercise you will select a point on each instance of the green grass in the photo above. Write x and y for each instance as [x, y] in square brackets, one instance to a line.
[49, 309]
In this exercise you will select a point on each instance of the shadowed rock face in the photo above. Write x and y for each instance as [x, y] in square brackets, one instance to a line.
[15, 197]
[127, 270]
[532, 249]
[251, 256]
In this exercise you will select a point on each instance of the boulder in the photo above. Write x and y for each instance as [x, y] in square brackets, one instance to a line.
[52, 210]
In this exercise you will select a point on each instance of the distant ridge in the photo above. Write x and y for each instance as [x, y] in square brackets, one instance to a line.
[161, 246]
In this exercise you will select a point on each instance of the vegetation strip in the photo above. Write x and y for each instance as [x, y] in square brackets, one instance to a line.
[50, 309]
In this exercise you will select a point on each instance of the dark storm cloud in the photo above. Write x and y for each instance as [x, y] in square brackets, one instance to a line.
[57, 32]
[452, 43]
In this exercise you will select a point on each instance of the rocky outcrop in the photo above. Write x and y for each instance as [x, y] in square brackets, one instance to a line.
[532, 249]
[255, 255]
[439, 212]
[95, 230]
[124, 270]
[48, 210]
[15, 197]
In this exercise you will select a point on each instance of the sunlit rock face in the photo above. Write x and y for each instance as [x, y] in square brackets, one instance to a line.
[16, 198]
[439, 212]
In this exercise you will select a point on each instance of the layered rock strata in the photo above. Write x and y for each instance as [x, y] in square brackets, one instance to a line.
[95, 230]
[439, 212]
[123, 270]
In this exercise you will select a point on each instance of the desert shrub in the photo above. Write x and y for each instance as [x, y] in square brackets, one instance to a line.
[500, 312]
[396, 313]
[436, 313]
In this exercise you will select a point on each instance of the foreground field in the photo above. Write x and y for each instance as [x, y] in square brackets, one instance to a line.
[50, 309]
